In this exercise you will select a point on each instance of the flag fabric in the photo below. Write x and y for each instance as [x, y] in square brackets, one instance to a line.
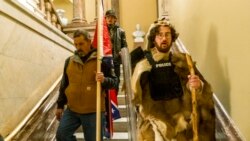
[112, 111]
[114, 104]
[107, 47]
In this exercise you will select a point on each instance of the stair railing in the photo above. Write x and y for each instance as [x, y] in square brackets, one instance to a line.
[21, 130]
[129, 94]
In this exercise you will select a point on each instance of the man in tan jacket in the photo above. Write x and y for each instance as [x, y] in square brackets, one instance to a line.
[78, 90]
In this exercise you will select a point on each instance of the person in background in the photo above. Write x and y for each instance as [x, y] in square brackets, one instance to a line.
[78, 90]
[162, 83]
[118, 40]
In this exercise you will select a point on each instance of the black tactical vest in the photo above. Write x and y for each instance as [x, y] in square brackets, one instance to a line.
[164, 83]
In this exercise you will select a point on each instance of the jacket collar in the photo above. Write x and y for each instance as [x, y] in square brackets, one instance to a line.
[82, 58]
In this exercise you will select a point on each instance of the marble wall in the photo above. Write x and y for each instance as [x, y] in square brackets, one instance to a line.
[32, 55]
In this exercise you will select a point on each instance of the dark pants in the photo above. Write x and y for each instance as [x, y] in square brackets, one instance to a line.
[71, 121]
[117, 73]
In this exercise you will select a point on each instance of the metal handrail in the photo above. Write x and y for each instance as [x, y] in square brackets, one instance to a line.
[129, 94]
[31, 113]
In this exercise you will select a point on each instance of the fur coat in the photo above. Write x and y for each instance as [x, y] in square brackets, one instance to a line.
[167, 120]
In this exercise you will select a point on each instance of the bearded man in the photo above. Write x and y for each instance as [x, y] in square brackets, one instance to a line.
[161, 83]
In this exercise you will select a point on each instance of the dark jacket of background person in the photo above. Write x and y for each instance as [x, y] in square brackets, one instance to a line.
[118, 39]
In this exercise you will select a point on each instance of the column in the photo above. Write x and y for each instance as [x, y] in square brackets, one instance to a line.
[79, 11]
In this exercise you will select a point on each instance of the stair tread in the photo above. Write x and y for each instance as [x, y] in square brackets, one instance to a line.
[116, 135]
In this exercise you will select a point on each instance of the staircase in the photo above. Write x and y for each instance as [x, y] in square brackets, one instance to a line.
[42, 125]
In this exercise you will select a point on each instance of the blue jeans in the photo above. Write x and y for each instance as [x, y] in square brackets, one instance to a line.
[71, 121]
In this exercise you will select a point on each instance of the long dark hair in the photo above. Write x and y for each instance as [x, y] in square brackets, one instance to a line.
[155, 30]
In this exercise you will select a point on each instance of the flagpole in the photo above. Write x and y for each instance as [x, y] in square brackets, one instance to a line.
[99, 58]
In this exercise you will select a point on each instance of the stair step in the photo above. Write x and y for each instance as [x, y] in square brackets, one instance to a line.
[121, 100]
[123, 110]
[117, 136]
[120, 125]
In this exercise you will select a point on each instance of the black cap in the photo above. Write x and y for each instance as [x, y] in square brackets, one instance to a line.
[110, 13]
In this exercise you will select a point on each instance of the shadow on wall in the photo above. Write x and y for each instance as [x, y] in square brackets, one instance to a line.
[214, 69]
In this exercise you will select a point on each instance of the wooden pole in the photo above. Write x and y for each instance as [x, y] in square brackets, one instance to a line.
[194, 101]
[99, 59]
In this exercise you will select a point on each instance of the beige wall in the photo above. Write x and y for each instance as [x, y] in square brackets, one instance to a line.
[134, 12]
[216, 34]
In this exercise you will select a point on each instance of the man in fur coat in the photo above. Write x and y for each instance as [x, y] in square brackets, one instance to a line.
[161, 83]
